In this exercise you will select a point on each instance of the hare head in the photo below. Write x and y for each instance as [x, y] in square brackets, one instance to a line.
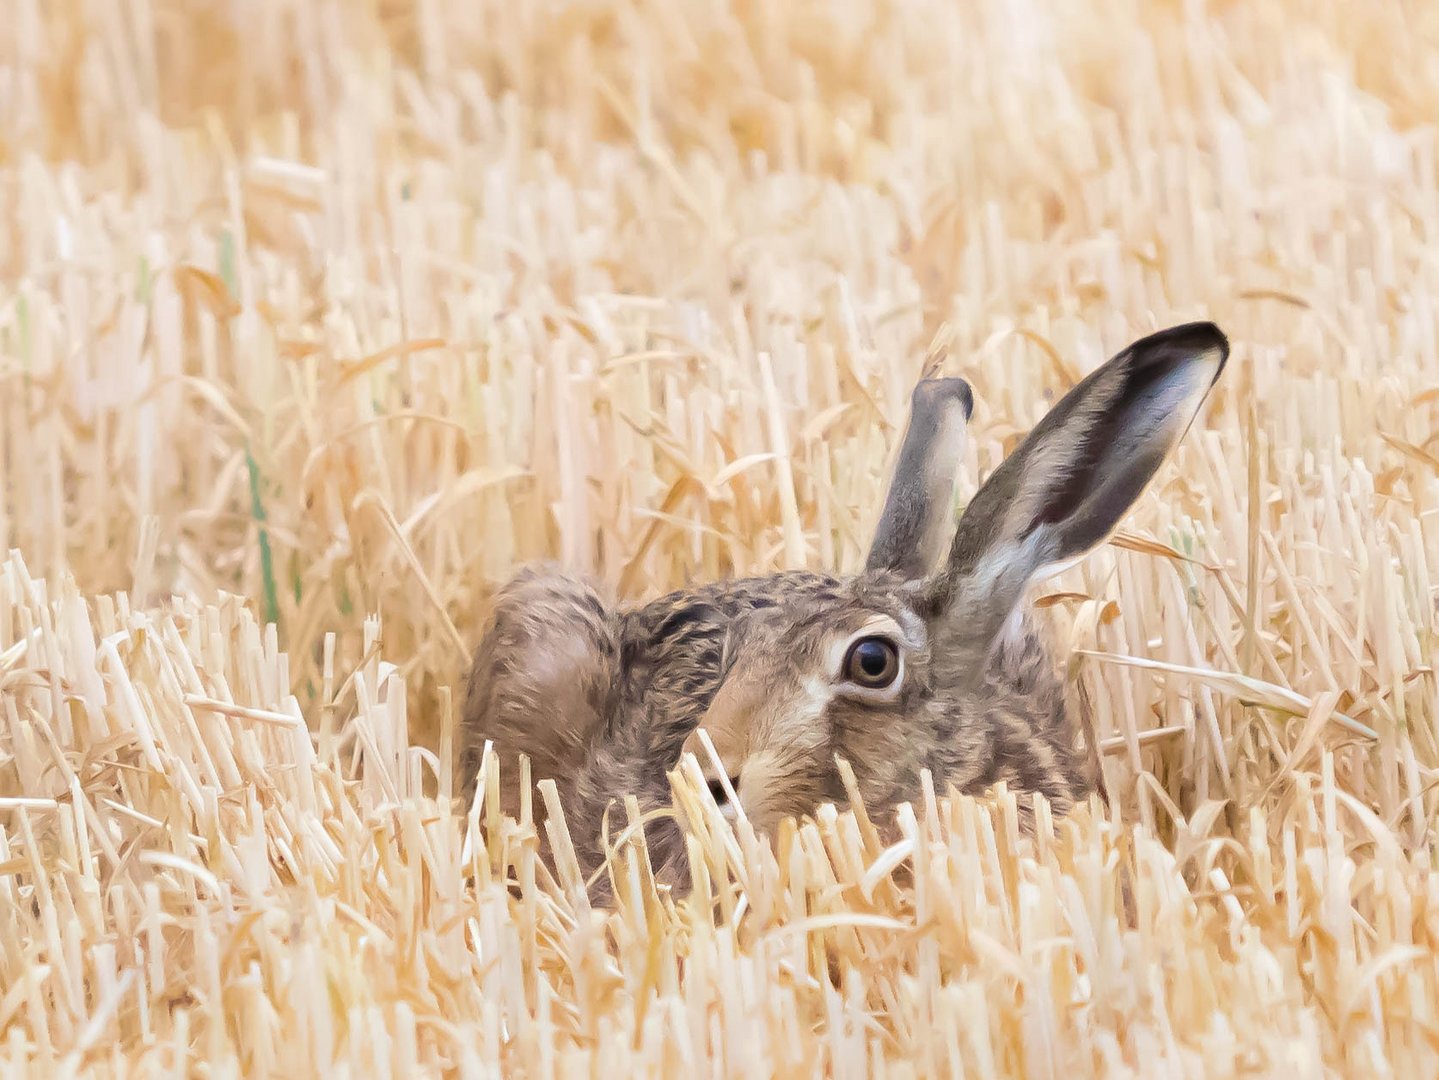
[925, 659]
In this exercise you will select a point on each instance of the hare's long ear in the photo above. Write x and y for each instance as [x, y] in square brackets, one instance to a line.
[1065, 489]
[917, 521]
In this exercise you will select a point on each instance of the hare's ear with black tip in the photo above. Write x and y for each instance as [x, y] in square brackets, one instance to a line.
[917, 521]
[1068, 485]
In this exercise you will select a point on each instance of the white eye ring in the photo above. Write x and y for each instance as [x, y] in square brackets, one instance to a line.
[882, 685]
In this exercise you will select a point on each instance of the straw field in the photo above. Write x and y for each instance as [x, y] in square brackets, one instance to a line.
[318, 318]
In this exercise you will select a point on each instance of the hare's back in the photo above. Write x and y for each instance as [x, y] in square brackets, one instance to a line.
[668, 621]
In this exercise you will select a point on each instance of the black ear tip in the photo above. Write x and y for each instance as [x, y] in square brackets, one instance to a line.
[1178, 344]
[934, 393]
[1190, 337]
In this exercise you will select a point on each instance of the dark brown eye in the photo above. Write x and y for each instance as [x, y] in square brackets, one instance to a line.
[872, 662]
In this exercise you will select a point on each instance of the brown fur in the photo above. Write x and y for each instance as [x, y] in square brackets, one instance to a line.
[605, 699]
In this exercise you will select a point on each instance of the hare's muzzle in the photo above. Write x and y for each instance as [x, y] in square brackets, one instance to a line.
[724, 783]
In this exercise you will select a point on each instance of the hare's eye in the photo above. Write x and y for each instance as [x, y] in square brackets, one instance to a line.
[872, 662]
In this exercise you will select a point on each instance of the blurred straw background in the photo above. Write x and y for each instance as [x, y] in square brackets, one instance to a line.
[318, 317]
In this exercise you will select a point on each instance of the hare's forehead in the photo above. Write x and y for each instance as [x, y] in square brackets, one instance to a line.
[826, 624]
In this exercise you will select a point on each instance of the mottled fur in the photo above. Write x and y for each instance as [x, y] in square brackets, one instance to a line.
[648, 673]
[605, 699]
[1011, 728]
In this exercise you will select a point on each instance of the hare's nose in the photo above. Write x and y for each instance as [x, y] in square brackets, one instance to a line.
[721, 796]
[694, 745]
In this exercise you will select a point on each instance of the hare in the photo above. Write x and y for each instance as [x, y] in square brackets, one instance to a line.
[926, 659]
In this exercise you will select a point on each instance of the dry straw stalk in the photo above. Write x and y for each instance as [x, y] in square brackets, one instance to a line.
[316, 318]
